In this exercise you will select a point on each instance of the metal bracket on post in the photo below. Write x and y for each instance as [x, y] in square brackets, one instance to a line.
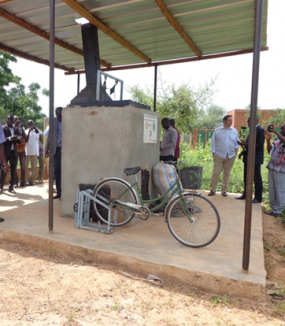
[82, 213]
[98, 84]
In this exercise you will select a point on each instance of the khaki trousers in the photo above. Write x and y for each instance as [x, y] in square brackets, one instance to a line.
[31, 177]
[222, 163]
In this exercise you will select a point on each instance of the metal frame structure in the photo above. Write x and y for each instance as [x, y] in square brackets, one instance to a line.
[83, 200]
[252, 136]
[98, 84]
[208, 29]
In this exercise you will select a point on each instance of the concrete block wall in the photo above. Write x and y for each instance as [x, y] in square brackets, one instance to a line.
[100, 142]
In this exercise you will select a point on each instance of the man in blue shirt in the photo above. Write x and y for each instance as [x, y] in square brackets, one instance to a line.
[224, 148]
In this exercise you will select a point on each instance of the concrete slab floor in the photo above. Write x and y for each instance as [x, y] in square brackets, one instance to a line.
[147, 247]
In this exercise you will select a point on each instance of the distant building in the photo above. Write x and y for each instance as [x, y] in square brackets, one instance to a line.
[202, 136]
[239, 119]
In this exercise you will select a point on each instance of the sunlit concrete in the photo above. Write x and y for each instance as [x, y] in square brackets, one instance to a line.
[147, 247]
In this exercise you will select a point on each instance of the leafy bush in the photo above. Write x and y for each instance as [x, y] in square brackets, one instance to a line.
[202, 156]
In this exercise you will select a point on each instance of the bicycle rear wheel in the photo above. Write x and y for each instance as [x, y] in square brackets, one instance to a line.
[199, 226]
[106, 191]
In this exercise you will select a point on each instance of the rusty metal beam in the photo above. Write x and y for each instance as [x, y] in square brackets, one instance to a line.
[170, 62]
[27, 56]
[252, 136]
[96, 22]
[31, 28]
[5, 1]
[178, 28]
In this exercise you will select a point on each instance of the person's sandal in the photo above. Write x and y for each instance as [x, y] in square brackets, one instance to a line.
[211, 193]
[2, 219]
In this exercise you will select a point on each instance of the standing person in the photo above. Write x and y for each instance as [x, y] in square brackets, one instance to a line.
[2, 156]
[10, 148]
[32, 151]
[259, 153]
[276, 171]
[41, 160]
[21, 153]
[224, 147]
[57, 121]
[177, 148]
[168, 144]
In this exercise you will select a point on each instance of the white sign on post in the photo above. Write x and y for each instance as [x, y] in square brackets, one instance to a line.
[149, 129]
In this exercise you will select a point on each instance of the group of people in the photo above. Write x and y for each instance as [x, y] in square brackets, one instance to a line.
[224, 147]
[25, 145]
[16, 142]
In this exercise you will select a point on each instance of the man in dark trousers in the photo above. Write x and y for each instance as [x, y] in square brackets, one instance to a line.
[259, 153]
[10, 148]
[56, 150]
[3, 164]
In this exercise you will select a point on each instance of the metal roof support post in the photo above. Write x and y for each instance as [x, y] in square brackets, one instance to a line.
[78, 83]
[155, 87]
[51, 114]
[252, 135]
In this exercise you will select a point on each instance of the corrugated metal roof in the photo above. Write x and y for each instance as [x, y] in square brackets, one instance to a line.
[215, 26]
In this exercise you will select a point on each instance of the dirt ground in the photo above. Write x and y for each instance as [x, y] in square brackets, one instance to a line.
[38, 288]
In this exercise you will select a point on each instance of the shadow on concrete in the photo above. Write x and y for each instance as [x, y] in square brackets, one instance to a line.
[24, 196]
[11, 203]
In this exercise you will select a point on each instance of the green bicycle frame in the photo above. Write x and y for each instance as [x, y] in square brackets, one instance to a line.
[174, 188]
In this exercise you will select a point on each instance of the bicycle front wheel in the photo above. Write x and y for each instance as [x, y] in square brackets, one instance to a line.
[194, 221]
[107, 191]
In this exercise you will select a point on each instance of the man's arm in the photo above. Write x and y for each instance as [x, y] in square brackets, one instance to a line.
[282, 138]
[47, 147]
[17, 132]
[268, 145]
[172, 142]
[3, 158]
[28, 136]
[213, 143]
[24, 133]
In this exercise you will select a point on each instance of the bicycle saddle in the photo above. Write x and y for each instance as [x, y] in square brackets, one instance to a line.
[131, 171]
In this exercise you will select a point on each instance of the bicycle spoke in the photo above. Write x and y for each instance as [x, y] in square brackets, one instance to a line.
[196, 225]
[109, 190]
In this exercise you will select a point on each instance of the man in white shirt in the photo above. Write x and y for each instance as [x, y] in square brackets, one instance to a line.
[224, 147]
[32, 151]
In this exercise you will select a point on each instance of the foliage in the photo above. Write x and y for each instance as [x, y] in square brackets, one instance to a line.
[202, 156]
[191, 108]
[278, 117]
[223, 301]
[14, 98]
[210, 118]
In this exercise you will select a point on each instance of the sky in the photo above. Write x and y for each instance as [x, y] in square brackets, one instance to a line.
[234, 74]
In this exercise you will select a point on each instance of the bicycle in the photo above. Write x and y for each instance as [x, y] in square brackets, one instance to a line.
[191, 218]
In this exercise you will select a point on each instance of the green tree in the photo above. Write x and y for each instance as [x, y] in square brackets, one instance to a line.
[210, 118]
[278, 117]
[190, 107]
[14, 98]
